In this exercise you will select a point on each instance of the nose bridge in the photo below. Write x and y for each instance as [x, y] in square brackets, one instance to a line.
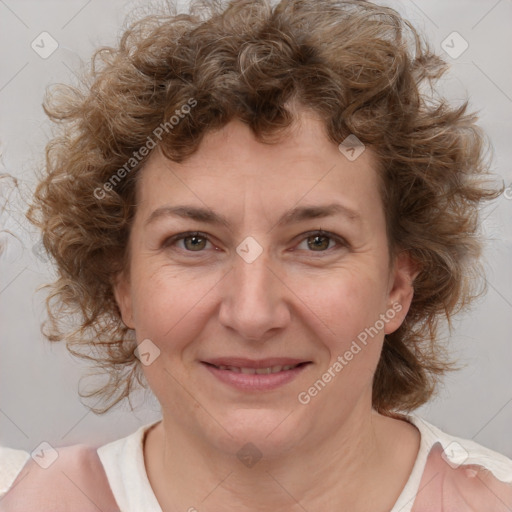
[251, 303]
[252, 279]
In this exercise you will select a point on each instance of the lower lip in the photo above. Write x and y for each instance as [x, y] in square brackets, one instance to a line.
[254, 381]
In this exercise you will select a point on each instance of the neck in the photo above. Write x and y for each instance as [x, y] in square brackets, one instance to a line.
[347, 469]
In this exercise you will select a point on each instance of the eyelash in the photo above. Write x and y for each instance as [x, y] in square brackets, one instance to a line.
[190, 234]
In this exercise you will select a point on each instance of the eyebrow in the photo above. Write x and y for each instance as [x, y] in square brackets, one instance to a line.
[294, 215]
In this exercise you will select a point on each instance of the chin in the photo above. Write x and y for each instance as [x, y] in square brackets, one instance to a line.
[272, 432]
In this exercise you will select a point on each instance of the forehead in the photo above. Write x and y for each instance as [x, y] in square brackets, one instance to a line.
[232, 168]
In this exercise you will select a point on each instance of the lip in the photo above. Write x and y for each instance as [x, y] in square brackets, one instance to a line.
[255, 382]
[254, 363]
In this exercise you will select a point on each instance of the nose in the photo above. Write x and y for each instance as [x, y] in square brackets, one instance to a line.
[254, 300]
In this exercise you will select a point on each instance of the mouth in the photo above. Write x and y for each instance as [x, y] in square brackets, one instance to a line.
[266, 370]
[252, 375]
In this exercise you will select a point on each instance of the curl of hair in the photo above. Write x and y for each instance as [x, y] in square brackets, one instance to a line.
[360, 66]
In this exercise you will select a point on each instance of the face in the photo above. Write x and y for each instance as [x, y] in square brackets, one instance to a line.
[252, 257]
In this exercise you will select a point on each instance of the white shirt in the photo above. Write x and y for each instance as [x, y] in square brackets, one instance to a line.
[123, 461]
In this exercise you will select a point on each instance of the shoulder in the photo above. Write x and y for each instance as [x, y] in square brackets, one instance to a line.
[464, 487]
[461, 475]
[69, 478]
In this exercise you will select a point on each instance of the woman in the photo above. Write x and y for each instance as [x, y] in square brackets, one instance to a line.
[255, 209]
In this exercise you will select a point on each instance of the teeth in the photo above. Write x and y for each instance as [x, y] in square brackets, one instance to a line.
[258, 371]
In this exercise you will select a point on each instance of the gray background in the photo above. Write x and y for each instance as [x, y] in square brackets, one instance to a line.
[38, 380]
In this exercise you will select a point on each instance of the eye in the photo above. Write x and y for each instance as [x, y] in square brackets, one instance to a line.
[320, 241]
[192, 241]
[315, 241]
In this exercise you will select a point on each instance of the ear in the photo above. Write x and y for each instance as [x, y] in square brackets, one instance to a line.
[123, 296]
[401, 289]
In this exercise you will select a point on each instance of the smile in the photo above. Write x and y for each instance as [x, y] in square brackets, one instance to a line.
[259, 371]
[257, 376]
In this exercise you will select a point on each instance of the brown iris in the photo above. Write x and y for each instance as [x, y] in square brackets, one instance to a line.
[320, 242]
[197, 242]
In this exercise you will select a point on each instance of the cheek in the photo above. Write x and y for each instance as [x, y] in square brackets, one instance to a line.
[167, 304]
[345, 303]
[355, 350]
[170, 309]
[350, 306]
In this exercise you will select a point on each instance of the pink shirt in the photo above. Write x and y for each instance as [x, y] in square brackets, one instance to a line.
[450, 475]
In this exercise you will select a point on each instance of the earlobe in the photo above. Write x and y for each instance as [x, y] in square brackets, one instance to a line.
[122, 294]
[401, 289]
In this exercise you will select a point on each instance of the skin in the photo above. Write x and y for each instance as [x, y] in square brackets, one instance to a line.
[294, 300]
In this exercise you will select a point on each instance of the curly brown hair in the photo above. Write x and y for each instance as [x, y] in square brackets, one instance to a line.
[359, 65]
